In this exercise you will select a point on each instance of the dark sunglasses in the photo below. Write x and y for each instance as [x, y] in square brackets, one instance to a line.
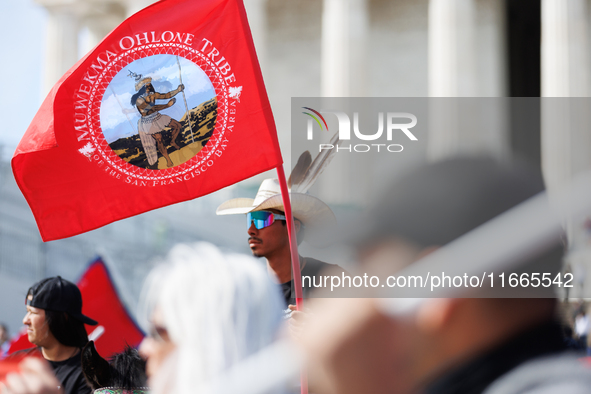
[262, 219]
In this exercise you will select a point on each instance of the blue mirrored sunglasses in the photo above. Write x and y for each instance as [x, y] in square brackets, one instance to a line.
[262, 219]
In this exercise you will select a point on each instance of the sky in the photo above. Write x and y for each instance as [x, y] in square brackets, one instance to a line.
[23, 46]
[23, 79]
[119, 118]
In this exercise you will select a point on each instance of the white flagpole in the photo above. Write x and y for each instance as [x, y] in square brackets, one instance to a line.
[185, 98]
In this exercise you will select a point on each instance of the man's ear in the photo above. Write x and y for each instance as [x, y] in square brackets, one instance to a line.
[297, 224]
[435, 313]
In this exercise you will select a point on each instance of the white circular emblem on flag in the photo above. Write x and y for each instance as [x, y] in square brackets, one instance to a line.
[159, 111]
[152, 117]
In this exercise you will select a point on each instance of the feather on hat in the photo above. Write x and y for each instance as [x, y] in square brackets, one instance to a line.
[309, 210]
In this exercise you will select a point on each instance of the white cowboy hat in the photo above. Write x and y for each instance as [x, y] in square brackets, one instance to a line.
[307, 209]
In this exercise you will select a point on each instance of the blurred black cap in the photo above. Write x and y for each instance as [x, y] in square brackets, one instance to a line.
[59, 295]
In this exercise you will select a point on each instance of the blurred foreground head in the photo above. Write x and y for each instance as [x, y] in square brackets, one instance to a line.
[208, 310]
[438, 203]
[444, 345]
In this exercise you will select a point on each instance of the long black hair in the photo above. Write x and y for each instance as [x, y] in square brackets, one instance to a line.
[137, 95]
[67, 330]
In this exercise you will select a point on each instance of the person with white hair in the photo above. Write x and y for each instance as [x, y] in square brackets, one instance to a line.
[208, 311]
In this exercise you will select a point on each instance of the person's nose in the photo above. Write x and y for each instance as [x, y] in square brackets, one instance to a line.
[26, 319]
[252, 230]
[146, 347]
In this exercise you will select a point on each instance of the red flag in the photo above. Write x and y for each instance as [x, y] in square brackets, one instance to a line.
[170, 106]
[100, 301]
[20, 342]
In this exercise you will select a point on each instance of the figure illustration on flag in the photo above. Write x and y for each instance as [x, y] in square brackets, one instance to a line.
[160, 141]
[152, 123]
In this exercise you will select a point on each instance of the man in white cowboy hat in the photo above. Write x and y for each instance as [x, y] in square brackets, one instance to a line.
[267, 231]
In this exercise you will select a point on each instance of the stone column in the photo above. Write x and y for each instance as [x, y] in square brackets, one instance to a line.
[565, 48]
[343, 74]
[344, 36]
[466, 59]
[256, 10]
[134, 6]
[452, 51]
[62, 43]
[566, 141]
[98, 26]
